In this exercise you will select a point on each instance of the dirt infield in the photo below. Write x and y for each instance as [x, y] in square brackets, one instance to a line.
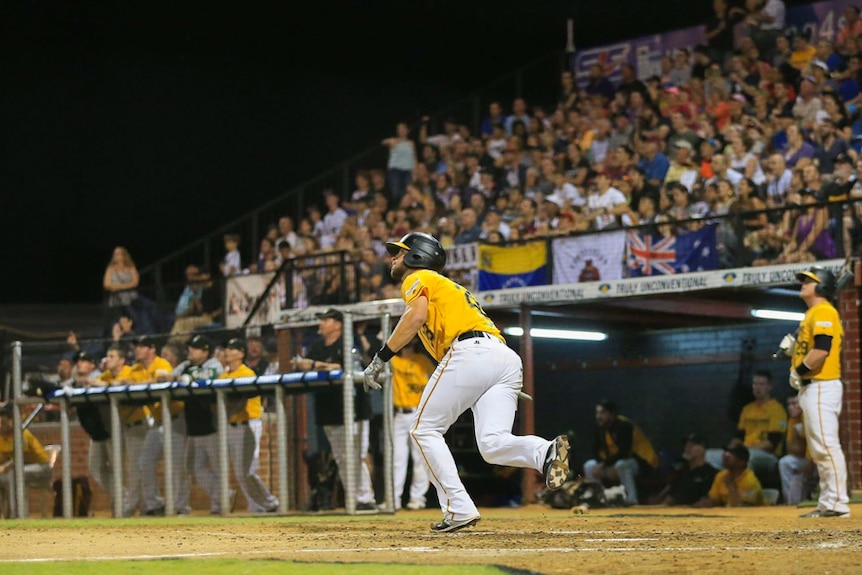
[534, 538]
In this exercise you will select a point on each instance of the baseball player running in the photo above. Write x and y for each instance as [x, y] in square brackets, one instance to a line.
[199, 414]
[816, 373]
[476, 370]
[410, 372]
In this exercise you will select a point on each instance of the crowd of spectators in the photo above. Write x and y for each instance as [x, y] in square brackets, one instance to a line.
[748, 121]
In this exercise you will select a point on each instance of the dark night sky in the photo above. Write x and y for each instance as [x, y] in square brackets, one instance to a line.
[149, 125]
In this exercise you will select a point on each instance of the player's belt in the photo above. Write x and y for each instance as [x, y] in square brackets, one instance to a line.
[473, 334]
[135, 423]
[405, 409]
[805, 382]
[235, 423]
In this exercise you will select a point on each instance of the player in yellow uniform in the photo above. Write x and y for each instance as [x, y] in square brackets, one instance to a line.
[410, 372]
[816, 373]
[150, 368]
[762, 426]
[736, 485]
[244, 433]
[36, 461]
[136, 423]
[476, 370]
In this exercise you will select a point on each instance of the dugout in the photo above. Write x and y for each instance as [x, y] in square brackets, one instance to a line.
[677, 357]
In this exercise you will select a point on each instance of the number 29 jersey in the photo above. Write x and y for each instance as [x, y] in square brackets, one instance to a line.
[452, 310]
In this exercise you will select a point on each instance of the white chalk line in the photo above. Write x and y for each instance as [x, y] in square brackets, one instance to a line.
[432, 550]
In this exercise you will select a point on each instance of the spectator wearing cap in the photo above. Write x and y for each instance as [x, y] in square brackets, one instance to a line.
[691, 478]
[36, 462]
[736, 485]
[327, 353]
[199, 411]
[87, 371]
[654, 164]
[151, 368]
[244, 433]
[682, 169]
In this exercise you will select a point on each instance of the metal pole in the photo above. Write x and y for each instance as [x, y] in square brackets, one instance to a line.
[117, 456]
[527, 408]
[281, 445]
[167, 442]
[66, 458]
[349, 417]
[17, 432]
[388, 425]
[224, 470]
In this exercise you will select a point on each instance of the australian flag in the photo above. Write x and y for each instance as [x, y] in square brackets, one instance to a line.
[649, 254]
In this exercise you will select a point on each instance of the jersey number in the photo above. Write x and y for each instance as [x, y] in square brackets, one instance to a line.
[471, 301]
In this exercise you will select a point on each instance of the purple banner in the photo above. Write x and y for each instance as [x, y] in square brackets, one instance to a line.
[823, 20]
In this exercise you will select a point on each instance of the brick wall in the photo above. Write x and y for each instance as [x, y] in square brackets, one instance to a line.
[851, 426]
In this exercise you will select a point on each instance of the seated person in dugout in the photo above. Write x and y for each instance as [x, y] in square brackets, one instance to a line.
[622, 452]
[691, 478]
[37, 463]
[736, 485]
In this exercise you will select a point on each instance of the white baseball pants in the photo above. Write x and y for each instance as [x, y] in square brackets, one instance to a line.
[403, 449]
[243, 441]
[361, 441]
[798, 478]
[206, 467]
[484, 375]
[133, 441]
[821, 403]
[152, 453]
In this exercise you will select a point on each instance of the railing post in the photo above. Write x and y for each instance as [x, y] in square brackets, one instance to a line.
[17, 435]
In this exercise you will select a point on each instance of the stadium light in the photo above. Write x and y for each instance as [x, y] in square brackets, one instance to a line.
[558, 334]
[778, 314]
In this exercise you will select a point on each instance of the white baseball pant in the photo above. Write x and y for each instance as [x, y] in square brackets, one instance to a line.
[206, 467]
[152, 453]
[821, 403]
[798, 478]
[484, 375]
[361, 441]
[403, 449]
[133, 441]
[99, 464]
[243, 442]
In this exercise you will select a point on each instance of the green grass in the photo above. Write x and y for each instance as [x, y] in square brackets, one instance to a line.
[239, 567]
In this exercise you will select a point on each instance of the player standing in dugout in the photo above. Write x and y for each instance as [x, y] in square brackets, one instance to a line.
[476, 370]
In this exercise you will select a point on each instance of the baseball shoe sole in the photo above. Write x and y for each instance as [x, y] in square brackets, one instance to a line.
[826, 513]
[556, 468]
[451, 525]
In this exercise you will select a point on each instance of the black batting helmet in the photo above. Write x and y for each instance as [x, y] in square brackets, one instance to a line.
[824, 279]
[423, 251]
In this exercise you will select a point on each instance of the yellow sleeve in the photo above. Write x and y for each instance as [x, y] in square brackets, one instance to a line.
[33, 450]
[750, 489]
[414, 285]
[777, 418]
[718, 492]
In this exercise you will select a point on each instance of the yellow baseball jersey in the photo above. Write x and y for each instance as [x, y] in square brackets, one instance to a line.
[129, 414]
[409, 377]
[142, 374]
[253, 407]
[641, 445]
[33, 450]
[796, 435]
[452, 310]
[821, 319]
[747, 484]
[758, 421]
